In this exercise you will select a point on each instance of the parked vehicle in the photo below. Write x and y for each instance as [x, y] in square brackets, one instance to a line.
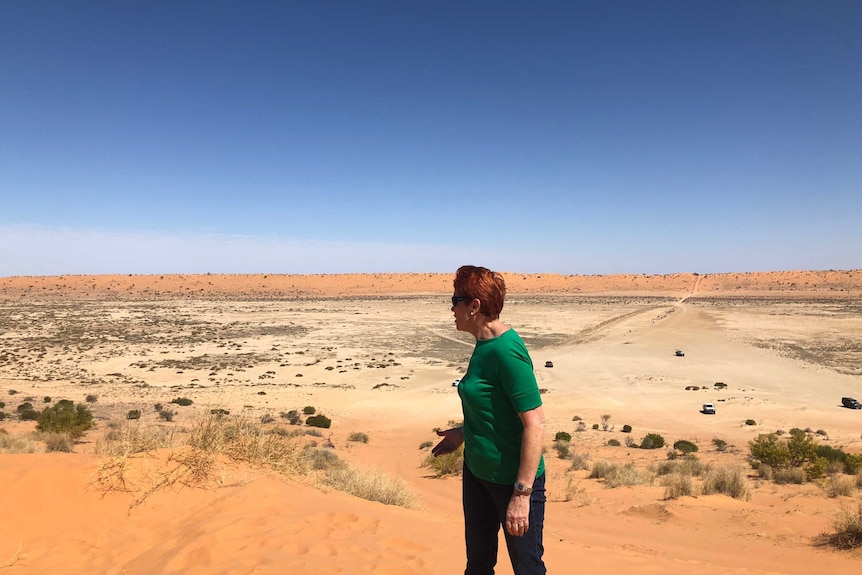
[708, 409]
[456, 382]
[850, 403]
[679, 353]
[549, 364]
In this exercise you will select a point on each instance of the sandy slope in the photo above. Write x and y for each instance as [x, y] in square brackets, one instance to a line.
[785, 364]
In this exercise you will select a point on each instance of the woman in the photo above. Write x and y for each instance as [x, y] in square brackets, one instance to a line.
[504, 473]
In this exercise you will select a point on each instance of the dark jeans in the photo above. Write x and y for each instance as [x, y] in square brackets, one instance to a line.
[485, 512]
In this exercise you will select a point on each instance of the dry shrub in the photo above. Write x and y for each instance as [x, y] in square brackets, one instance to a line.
[13, 443]
[794, 475]
[563, 449]
[574, 490]
[216, 442]
[131, 437]
[321, 459]
[600, 469]
[677, 485]
[372, 485]
[848, 530]
[765, 472]
[358, 437]
[729, 480]
[58, 442]
[839, 486]
[246, 441]
[580, 462]
[449, 464]
[688, 465]
[618, 475]
[199, 462]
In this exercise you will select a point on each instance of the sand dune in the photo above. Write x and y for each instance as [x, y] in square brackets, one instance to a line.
[260, 345]
[832, 283]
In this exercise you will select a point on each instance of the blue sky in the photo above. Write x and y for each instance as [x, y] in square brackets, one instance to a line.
[415, 136]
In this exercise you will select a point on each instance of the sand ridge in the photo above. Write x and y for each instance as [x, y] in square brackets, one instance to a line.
[831, 283]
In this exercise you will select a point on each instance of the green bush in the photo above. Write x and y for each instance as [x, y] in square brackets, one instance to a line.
[563, 436]
[318, 420]
[2, 416]
[853, 464]
[426, 444]
[684, 446]
[28, 415]
[720, 444]
[816, 468]
[91, 398]
[652, 441]
[66, 417]
[184, 401]
[134, 414]
[627, 428]
[595, 426]
[830, 453]
[802, 448]
[157, 406]
[750, 422]
[308, 410]
[2, 404]
[25, 406]
[47, 399]
[768, 449]
[613, 442]
[167, 414]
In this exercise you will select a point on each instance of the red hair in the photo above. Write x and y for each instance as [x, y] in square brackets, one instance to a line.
[481, 283]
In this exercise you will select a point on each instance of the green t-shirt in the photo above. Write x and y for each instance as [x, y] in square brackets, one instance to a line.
[499, 384]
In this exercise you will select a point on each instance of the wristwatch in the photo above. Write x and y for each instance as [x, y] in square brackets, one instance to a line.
[522, 489]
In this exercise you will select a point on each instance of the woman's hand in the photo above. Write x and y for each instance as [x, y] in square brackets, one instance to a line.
[518, 515]
[452, 440]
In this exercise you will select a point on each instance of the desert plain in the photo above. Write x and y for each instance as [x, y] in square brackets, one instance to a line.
[377, 354]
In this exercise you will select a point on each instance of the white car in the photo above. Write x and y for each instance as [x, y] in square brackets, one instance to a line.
[708, 409]
[456, 382]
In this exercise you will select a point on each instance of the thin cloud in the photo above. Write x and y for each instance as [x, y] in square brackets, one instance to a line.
[40, 250]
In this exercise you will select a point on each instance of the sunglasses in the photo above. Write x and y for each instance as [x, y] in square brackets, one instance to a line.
[457, 298]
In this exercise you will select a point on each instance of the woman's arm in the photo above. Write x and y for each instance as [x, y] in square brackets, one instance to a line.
[518, 511]
[531, 444]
